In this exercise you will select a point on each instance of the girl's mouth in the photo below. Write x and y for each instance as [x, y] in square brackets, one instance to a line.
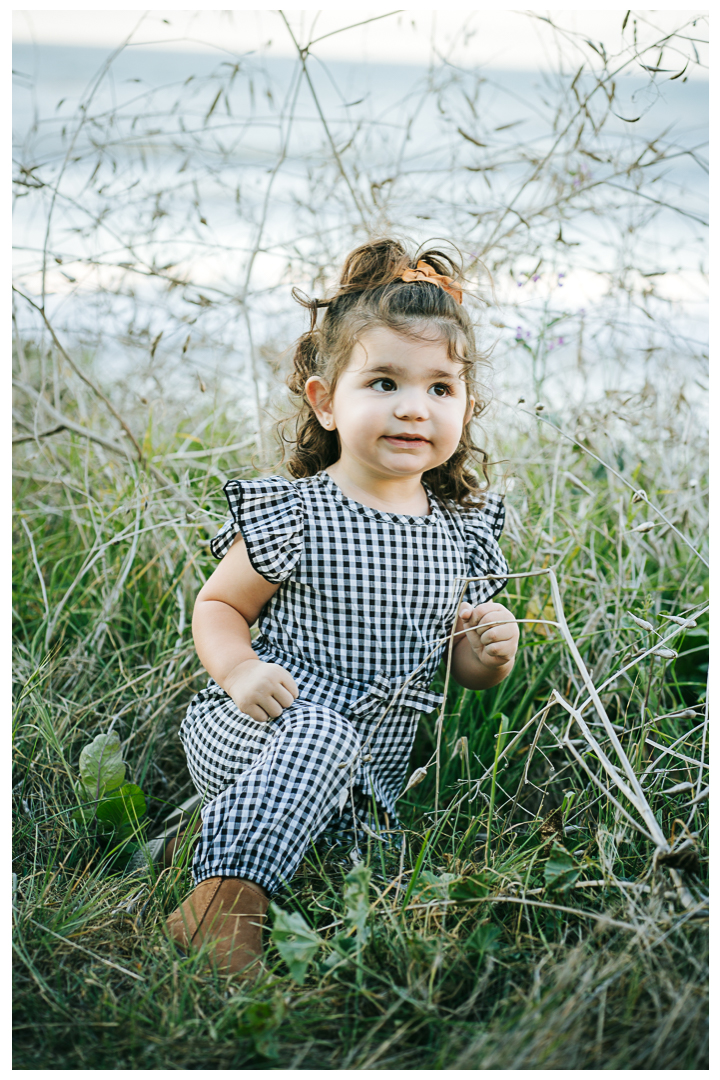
[406, 440]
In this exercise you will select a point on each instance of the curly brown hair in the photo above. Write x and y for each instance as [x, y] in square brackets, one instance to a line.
[370, 295]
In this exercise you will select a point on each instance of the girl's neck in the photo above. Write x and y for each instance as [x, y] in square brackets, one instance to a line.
[396, 495]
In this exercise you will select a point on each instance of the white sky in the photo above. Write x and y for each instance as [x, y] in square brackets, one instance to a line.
[502, 37]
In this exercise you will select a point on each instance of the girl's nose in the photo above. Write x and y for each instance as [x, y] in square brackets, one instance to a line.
[412, 405]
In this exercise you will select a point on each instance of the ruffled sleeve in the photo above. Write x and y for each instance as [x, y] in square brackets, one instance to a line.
[482, 530]
[269, 515]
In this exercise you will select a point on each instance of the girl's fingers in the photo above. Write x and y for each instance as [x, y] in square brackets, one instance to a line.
[283, 697]
[487, 613]
[271, 706]
[256, 712]
[274, 700]
[285, 679]
[289, 684]
[498, 633]
[498, 648]
[266, 700]
[494, 630]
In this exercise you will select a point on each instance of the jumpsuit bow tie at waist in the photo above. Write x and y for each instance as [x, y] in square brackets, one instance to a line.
[386, 701]
[386, 694]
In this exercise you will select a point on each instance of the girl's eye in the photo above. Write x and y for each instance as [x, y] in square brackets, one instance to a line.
[440, 390]
[384, 385]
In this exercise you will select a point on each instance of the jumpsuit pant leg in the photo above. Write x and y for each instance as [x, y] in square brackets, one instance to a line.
[283, 788]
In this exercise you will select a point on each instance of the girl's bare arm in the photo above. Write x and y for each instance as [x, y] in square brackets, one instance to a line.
[228, 604]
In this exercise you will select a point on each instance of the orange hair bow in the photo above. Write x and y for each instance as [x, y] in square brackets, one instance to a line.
[425, 272]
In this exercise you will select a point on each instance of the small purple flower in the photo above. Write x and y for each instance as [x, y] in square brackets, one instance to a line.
[536, 277]
[518, 333]
[561, 341]
[551, 346]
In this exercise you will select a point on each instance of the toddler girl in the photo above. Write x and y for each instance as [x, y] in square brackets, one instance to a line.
[354, 570]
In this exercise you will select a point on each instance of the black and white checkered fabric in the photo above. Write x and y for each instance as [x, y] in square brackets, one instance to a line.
[366, 599]
[283, 784]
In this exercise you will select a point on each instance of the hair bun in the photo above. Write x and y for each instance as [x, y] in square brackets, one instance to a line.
[380, 262]
[373, 264]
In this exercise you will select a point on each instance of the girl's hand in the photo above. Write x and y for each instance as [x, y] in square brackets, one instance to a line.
[261, 690]
[494, 639]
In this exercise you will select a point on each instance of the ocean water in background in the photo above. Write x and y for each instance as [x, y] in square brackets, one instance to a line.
[209, 146]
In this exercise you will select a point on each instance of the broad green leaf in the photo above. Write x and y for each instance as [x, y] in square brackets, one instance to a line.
[296, 942]
[86, 812]
[560, 870]
[484, 938]
[84, 815]
[101, 765]
[468, 888]
[431, 886]
[123, 808]
[357, 903]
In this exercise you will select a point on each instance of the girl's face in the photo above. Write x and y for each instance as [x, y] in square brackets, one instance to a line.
[399, 406]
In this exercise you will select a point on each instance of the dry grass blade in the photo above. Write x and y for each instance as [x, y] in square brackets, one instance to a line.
[88, 952]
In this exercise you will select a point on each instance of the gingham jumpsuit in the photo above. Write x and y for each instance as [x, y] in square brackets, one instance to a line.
[365, 597]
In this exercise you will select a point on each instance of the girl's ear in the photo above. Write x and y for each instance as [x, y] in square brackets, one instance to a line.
[469, 411]
[320, 398]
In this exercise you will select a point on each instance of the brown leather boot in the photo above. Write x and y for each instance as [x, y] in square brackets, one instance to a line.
[229, 912]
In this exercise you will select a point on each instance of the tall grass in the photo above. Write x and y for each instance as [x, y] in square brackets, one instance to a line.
[546, 906]
[492, 963]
